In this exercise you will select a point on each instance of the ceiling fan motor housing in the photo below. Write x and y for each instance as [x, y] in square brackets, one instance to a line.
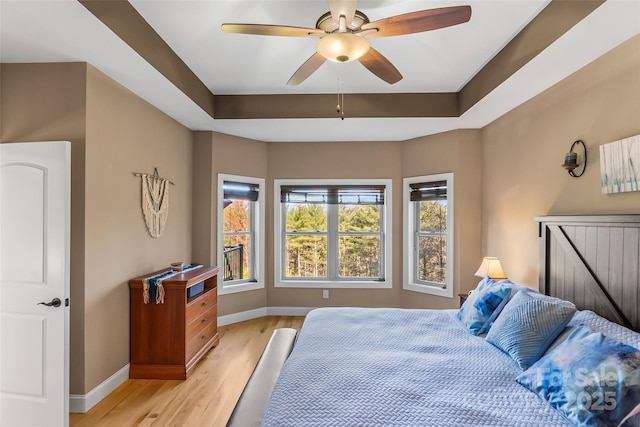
[326, 22]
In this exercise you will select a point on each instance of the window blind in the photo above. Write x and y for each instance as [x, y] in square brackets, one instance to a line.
[428, 191]
[240, 191]
[334, 194]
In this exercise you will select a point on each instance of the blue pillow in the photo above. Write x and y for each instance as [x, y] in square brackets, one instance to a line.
[482, 306]
[486, 282]
[527, 325]
[591, 379]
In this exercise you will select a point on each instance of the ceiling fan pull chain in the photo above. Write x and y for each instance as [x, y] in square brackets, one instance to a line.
[340, 106]
[342, 102]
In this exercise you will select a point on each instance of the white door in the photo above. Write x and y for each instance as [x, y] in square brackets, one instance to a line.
[34, 268]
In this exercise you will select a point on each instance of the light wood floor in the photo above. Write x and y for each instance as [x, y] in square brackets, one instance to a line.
[206, 398]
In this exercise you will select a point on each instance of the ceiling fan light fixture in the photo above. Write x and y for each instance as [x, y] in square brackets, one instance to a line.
[342, 47]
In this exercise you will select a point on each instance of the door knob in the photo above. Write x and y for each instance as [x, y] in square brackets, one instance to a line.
[54, 303]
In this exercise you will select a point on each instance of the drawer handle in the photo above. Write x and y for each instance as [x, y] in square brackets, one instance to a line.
[204, 320]
[203, 337]
[204, 303]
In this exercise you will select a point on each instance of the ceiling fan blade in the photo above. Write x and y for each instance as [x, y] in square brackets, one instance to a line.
[422, 20]
[306, 69]
[380, 66]
[347, 8]
[272, 30]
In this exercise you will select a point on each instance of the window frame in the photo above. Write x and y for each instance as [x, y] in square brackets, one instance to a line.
[279, 234]
[257, 217]
[410, 230]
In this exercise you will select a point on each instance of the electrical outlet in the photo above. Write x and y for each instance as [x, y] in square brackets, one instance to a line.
[325, 293]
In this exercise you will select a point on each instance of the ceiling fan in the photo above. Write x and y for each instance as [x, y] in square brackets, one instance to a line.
[343, 34]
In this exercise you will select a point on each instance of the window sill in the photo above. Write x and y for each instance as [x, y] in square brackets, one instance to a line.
[333, 285]
[431, 290]
[239, 287]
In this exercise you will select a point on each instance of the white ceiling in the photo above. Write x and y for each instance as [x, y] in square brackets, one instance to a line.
[437, 61]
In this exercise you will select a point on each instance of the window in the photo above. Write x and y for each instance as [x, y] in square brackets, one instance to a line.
[332, 233]
[240, 233]
[428, 234]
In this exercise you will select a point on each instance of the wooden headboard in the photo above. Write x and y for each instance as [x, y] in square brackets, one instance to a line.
[593, 261]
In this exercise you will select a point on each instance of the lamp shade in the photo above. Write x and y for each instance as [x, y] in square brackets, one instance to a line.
[492, 268]
[342, 47]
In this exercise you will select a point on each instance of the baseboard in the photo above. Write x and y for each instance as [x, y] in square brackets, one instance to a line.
[81, 403]
[288, 311]
[261, 312]
[242, 316]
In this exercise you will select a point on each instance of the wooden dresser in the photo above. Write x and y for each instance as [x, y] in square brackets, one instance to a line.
[167, 340]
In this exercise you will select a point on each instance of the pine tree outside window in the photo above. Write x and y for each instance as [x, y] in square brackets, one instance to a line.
[428, 234]
[332, 233]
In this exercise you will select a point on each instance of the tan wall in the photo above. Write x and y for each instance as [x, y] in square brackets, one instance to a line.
[46, 102]
[458, 152]
[203, 202]
[125, 135]
[523, 150]
[355, 160]
[217, 153]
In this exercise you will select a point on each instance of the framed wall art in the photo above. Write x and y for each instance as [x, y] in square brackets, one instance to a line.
[620, 165]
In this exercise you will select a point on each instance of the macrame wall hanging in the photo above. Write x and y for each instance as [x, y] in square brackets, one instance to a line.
[155, 202]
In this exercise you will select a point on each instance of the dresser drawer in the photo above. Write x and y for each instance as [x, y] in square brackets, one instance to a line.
[201, 338]
[201, 322]
[201, 304]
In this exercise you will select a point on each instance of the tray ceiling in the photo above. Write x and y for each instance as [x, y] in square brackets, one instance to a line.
[174, 55]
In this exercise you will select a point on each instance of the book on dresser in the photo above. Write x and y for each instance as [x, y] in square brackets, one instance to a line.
[169, 337]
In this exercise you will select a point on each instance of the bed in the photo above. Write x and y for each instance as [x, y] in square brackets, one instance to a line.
[512, 357]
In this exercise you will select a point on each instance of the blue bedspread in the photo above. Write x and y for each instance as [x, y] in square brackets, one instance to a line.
[396, 367]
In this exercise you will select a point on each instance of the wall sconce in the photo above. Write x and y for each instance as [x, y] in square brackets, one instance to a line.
[571, 159]
[491, 268]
